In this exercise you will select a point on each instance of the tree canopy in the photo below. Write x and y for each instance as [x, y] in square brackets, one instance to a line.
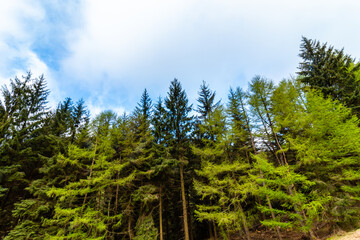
[276, 160]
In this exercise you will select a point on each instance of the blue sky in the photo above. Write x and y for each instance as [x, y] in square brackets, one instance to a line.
[107, 52]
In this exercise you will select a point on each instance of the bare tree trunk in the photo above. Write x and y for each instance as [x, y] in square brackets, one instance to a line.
[129, 229]
[244, 222]
[211, 236]
[183, 198]
[215, 232]
[160, 215]
[190, 222]
[117, 194]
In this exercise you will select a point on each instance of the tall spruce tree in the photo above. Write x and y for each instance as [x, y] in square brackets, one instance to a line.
[25, 145]
[331, 71]
[179, 125]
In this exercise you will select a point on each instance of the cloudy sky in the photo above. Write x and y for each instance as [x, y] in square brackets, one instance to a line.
[107, 52]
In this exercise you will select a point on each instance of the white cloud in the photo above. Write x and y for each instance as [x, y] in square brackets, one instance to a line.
[118, 48]
[24, 25]
[135, 44]
[95, 109]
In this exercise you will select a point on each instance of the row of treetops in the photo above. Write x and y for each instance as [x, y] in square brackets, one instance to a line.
[275, 158]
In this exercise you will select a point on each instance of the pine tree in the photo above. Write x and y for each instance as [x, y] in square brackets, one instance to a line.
[159, 123]
[179, 125]
[239, 124]
[331, 71]
[206, 101]
[23, 150]
[163, 164]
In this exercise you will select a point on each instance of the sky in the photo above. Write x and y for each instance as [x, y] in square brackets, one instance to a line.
[107, 52]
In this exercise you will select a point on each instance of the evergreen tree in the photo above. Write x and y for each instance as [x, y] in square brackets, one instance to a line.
[328, 155]
[159, 123]
[179, 125]
[239, 124]
[25, 145]
[221, 181]
[206, 101]
[331, 71]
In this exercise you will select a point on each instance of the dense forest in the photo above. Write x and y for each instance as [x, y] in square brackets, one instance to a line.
[274, 159]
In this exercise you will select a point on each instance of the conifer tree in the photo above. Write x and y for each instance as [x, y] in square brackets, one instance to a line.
[163, 165]
[221, 181]
[328, 155]
[23, 150]
[159, 123]
[261, 104]
[179, 125]
[331, 71]
[206, 101]
[239, 124]
[81, 199]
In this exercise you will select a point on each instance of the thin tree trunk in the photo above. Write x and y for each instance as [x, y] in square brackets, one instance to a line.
[190, 222]
[183, 198]
[117, 194]
[129, 229]
[109, 222]
[215, 232]
[243, 219]
[160, 215]
[210, 231]
[109, 204]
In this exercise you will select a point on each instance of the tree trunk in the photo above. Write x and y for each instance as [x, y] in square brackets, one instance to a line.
[160, 215]
[215, 231]
[190, 222]
[117, 194]
[211, 236]
[183, 199]
[243, 219]
[129, 229]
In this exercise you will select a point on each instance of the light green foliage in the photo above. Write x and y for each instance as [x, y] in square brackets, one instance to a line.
[221, 182]
[25, 230]
[145, 229]
[328, 154]
[295, 207]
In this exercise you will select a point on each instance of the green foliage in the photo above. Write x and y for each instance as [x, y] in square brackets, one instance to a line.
[221, 183]
[328, 153]
[145, 229]
[292, 163]
[331, 71]
[178, 119]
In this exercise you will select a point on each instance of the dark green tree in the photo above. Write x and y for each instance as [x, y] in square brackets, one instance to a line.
[206, 101]
[25, 145]
[159, 123]
[331, 71]
[179, 126]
